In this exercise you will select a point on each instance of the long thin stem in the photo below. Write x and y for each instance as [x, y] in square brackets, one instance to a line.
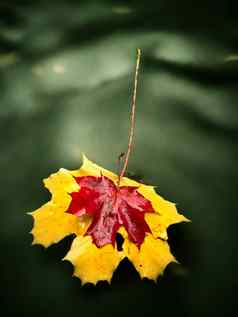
[132, 118]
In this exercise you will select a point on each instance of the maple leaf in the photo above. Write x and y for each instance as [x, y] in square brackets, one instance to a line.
[87, 202]
[96, 204]
[110, 207]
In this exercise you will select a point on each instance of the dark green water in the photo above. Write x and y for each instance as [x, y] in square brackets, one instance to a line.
[66, 72]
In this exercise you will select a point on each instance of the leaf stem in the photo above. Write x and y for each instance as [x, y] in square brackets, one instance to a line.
[132, 118]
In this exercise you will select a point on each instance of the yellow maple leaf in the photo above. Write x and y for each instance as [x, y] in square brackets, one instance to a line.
[96, 205]
[89, 204]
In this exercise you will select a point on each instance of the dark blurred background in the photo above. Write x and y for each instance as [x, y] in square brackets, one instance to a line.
[66, 75]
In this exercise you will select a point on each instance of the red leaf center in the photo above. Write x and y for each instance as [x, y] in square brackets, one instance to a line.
[110, 208]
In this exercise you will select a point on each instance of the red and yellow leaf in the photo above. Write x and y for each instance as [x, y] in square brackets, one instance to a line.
[89, 204]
